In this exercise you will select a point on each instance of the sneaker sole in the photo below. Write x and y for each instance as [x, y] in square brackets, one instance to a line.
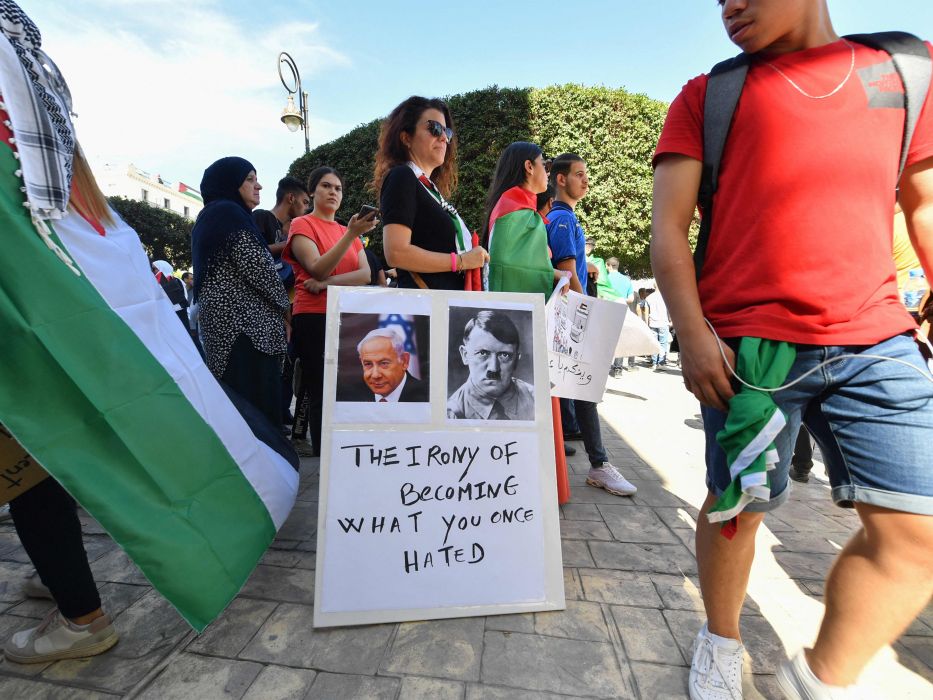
[614, 492]
[786, 683]
[80, 653]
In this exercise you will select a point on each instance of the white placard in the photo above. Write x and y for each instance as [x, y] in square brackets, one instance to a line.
[582, 333]
[446, 507]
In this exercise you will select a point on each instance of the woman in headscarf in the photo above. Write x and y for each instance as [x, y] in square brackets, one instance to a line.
[243, 304]
[424, 237]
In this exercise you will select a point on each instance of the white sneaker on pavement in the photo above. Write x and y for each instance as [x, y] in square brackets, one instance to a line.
[800, 683]
[716, 671]
[58, 638]
[608, 477]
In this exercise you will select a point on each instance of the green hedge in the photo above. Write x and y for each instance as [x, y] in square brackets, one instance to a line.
[613, 130]
[166, 235]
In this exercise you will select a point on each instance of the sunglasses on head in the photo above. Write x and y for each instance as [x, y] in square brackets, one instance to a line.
[437, 129]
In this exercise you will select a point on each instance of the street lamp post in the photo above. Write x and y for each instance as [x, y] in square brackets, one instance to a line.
[294, 117]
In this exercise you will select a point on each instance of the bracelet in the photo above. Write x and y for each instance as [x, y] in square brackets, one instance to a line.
[459, 262]
[453, 262]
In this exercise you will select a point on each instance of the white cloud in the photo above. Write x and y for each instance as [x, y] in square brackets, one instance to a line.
[172, 88]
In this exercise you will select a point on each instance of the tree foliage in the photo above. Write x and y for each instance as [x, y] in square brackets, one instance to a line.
[613, 130]
[164, 234]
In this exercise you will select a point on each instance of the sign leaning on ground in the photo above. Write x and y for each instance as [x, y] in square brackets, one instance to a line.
[438, 495]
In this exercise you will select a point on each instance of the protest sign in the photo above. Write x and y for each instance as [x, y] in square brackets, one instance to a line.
[19, 472]
[438, 496]
[582, 333]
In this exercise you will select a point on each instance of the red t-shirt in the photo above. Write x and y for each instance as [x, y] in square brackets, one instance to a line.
[324, 234]
[802, 222]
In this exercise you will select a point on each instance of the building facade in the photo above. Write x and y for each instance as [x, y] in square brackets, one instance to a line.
[131, 182]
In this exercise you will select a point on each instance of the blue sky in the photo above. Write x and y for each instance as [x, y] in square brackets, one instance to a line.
[172, 86]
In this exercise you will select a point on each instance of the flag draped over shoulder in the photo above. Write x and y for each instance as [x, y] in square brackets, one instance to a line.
[519, 260]
[105, 389]
[753, 423]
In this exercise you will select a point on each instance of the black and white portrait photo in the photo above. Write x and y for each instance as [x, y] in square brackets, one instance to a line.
[490, 364]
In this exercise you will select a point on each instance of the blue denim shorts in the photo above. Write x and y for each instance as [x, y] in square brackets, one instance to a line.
[873, 421]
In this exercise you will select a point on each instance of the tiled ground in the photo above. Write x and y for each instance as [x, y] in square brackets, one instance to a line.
[630, 577]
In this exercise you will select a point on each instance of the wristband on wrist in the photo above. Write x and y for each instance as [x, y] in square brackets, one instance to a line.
[453, 262]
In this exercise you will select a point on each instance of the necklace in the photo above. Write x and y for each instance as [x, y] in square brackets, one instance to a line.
[828, 94]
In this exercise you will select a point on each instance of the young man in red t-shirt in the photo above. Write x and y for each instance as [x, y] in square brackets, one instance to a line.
[800, 251]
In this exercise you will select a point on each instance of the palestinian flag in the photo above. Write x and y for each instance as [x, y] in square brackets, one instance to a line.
[753, 422]
[519, 259]
[105, 389]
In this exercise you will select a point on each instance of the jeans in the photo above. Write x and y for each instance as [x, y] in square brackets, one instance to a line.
[588, 420]
[663, 334]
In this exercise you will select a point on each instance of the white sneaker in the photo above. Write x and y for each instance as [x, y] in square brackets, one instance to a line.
[716, 671]
[608, 477]
[800, 683]
[58, 638]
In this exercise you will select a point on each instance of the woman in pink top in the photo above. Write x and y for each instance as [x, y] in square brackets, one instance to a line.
[322, 252]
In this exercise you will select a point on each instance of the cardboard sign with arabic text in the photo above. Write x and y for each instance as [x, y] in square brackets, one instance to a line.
[19, 472]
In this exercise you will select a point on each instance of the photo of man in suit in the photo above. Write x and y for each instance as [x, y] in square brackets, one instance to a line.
[384, 361]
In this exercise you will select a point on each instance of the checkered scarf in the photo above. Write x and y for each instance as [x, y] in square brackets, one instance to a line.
[39, 104]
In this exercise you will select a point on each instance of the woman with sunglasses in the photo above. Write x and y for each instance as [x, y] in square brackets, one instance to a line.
[322, 252]
[416, 169]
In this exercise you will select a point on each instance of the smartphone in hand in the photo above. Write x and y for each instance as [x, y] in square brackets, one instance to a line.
[367, 212]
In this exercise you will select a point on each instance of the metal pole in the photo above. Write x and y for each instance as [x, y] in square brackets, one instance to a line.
[285, 58]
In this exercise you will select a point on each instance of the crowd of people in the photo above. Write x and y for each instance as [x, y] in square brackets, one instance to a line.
[792, 293]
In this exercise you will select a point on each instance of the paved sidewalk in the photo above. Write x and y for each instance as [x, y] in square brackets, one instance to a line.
[632, 601]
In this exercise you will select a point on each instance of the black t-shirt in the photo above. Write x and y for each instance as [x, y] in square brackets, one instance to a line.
[405, 201]
[375, 264]
[269, 226]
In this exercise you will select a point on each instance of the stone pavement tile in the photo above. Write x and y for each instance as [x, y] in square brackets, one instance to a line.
[12, 577]
[636, 556]
[656, 681]
[575, 553]
[679, 592]
[280, 683]
[550, 664]
[919, 628]
[580, 620]
[580, 511]
[289, 638]
[619, 587]
[920, 647]
[687, 539]
[580, 492]
[761, 641]
[679, 518]
[202, 677]
[149, 630]
[645, 635]
[572, 588]
[290, 559]
[805, 565]
[449, 649]
[33, 608]
[16, 688]
[11, 549]
[521, 622]
[584, 530]
[280, 585]
[636, 524]
[813, 587]
[646, 474]
[115, 598]
[331, 686]
[805, 517]
[653, 493]
[476, 691]
[809, 542]
[117, 567]
[301, 523]
[414, 688]
[232, 631]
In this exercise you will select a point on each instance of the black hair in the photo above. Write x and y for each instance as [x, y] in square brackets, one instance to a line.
[497, 324]
[543, 197]
[509, 172]
[314, 179]
[562, 164]
[289, 185]
[185, 275]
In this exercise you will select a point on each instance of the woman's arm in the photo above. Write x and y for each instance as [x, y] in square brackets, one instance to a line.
[356, 278]
[254, 263]
[402, 253]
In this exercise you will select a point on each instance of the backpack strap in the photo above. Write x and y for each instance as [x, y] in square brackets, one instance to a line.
[723, 88]
[913, 65]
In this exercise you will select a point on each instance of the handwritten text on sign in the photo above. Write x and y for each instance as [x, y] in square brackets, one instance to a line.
[433, 519]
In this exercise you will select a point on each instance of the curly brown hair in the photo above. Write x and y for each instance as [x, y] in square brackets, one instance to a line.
[392, 151]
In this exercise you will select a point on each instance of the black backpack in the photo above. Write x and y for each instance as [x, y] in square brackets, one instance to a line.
[911, 61]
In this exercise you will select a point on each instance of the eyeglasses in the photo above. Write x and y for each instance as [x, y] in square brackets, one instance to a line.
[437, 129]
